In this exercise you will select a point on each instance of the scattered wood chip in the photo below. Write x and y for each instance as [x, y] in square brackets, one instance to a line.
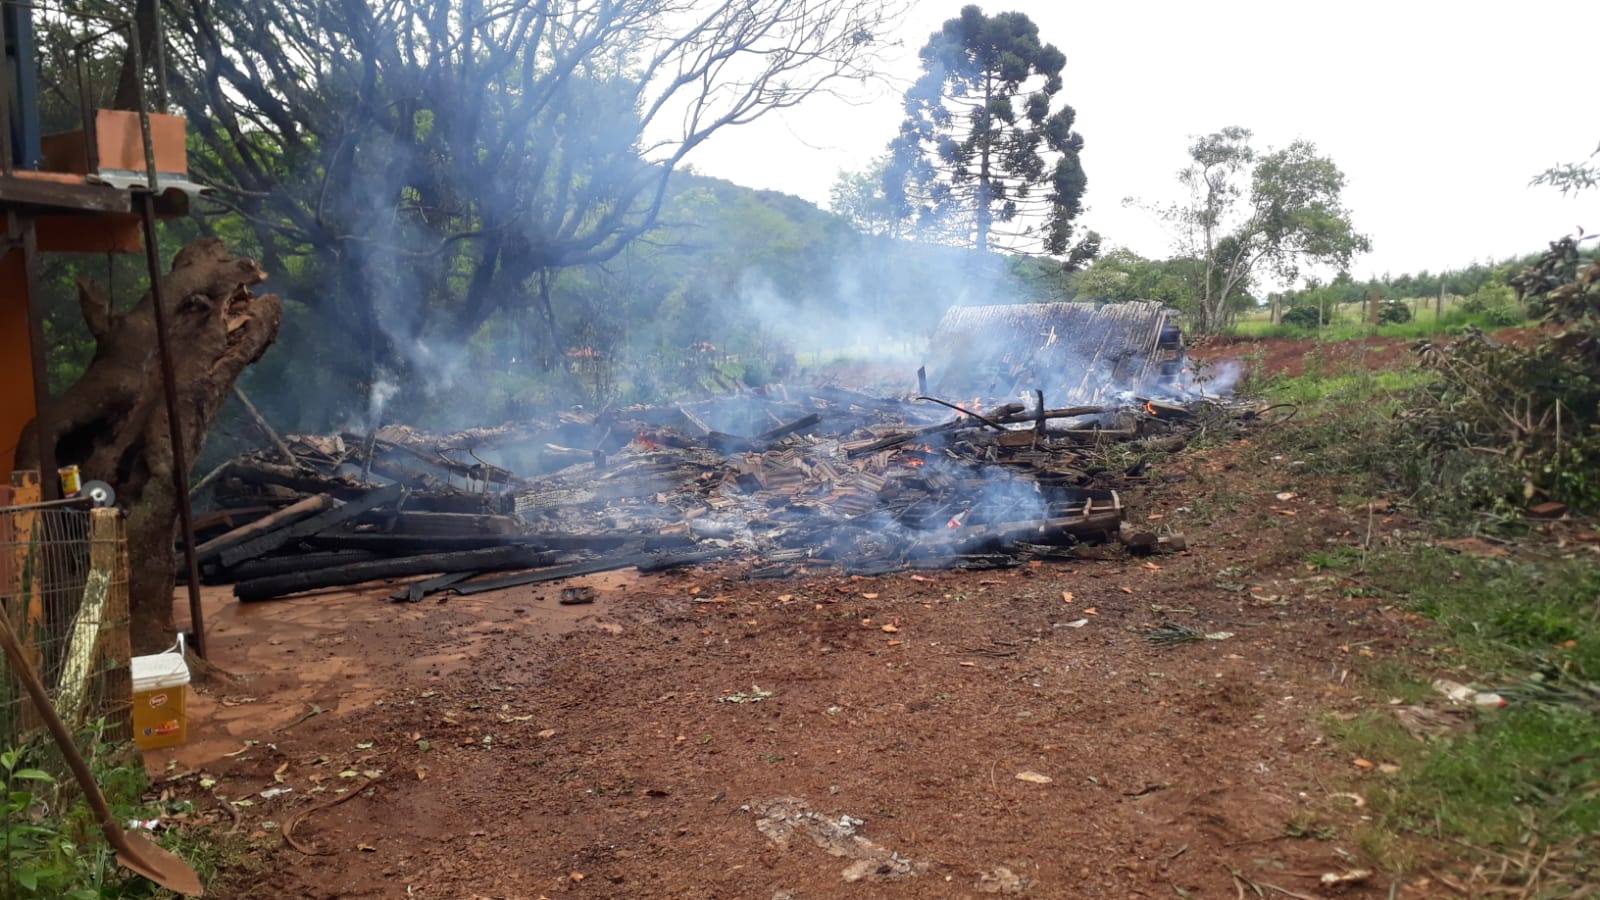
[1034, 778]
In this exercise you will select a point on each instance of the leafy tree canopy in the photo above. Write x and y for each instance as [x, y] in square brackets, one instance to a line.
[1252, 213]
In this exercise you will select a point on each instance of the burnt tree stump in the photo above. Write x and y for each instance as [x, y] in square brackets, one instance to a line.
[113, 421]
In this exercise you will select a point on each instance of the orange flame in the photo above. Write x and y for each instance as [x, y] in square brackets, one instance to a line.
[1150, 408]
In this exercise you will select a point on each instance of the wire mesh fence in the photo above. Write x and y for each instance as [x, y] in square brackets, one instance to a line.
[64, 591]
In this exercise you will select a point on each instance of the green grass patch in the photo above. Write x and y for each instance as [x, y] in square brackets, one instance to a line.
[1527, 774]
[1502, 615]
[1526, 778]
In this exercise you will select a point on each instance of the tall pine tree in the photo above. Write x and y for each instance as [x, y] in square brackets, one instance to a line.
[982, 152]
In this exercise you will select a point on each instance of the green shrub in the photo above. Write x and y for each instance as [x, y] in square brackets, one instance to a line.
[1303, 317]
[1394, 312]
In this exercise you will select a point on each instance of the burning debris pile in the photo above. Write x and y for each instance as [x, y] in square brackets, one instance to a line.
[784, 478]
[796, 477]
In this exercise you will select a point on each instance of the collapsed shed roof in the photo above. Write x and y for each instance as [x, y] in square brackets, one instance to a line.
[1074, 352]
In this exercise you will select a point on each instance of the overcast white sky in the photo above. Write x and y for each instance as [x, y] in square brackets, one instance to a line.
[1439, 113]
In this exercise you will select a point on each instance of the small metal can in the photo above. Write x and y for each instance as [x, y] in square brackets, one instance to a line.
[71, 481]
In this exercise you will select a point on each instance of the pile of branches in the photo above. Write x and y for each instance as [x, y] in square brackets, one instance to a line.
[1507, 425]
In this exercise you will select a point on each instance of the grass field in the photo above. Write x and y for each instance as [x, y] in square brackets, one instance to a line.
[1347, 322]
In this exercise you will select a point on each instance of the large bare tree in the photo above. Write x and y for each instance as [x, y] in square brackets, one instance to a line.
[435, 160]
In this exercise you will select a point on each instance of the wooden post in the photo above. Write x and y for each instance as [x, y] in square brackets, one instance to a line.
[1438, 309]
[108, 553]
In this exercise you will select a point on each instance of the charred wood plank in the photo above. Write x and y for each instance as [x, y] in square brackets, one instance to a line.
[282, 565]
[415, 591]
[629, 557]
[408, 544]
[322, 521]
[487, 560]
[211, 550]
[625, 558]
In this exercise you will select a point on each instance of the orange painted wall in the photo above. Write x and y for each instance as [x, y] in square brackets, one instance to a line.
[16, 366]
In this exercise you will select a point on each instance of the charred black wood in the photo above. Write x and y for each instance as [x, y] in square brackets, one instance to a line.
[212, 550]
[666, 562]
[626, 558]
[487, 560]
[409, 544]
[282, 565]
[417, 590]
[963, 410]
[322, 521]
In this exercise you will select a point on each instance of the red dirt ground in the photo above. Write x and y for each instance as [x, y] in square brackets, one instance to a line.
[507, 746]
[1292, 357]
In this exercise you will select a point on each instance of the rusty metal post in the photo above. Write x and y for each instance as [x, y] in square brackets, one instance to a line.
[180, 458]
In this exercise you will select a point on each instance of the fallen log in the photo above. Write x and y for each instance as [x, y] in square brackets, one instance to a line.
[211, 550]
[267, 543]
[487, 560]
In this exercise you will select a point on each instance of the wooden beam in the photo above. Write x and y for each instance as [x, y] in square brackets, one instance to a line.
[489, 560]
[327, 519]
[57, 196]
[211, 550]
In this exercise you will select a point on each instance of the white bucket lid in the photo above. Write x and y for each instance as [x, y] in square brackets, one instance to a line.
[160, 670]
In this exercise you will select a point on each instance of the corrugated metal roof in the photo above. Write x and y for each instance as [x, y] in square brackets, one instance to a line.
[1074, 352]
